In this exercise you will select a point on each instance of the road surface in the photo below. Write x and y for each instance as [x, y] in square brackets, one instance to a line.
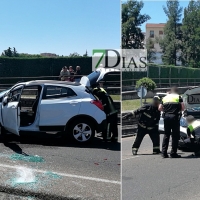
[150, 177]
[43, 167]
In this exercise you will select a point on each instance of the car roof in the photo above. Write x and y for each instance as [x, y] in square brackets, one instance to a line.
[36, 82]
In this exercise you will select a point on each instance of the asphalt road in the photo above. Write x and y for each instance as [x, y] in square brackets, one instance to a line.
[43, 167]
[150, 177]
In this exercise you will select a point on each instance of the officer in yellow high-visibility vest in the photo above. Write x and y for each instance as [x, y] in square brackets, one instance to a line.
[172, 105]
[111, 131]
[193, 132]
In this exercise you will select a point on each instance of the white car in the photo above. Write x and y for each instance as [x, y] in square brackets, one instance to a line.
[54, 106]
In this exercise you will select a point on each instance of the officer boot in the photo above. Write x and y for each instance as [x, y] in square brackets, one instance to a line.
[156, 151]
[134, 151]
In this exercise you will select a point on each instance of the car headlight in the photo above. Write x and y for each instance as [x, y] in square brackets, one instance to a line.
[183, 122]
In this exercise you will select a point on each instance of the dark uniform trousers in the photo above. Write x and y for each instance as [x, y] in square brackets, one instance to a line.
[112, 129]
[193, 144]
[153, 134]
[172, 127]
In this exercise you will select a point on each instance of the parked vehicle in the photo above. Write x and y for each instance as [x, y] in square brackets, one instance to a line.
[54, 106]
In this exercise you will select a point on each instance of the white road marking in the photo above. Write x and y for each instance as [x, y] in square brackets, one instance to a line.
[63, 174]
[131, 158]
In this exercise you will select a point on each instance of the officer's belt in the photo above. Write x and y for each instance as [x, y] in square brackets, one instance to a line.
[143, 126]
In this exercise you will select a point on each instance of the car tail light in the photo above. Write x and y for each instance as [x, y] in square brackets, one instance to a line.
[98, 104]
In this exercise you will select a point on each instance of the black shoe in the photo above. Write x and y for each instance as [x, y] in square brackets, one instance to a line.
[157, 152]
[134, 152]
[175, 155]
[165, 155]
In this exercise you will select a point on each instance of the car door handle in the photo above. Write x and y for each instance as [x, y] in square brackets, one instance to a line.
[73, 102]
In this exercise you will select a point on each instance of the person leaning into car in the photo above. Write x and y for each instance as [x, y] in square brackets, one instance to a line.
[193, 132]
[111, 114]
[172, 105]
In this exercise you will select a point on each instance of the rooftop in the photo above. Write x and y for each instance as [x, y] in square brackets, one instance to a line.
[52, 82]
[159, 25]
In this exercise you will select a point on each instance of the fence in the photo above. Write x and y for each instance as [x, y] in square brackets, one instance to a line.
[164, 82]
[110, 80]
[164, 76]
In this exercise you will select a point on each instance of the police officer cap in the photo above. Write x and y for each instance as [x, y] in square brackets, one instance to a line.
[156, 98]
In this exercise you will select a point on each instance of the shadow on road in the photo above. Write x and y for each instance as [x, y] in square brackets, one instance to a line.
[15, 148]
[46, 139]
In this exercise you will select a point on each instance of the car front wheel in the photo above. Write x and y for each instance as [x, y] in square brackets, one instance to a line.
[82, 131]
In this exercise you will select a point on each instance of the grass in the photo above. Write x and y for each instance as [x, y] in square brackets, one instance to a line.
[115, 97]
[132, 104]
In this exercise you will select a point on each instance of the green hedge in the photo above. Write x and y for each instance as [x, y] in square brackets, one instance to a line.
[33, 67]
[166, 72]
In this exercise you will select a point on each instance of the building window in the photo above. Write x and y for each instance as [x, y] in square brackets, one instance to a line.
[151, 34]
[160, 32]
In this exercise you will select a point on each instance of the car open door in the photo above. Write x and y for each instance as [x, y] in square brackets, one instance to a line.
[97, 76]
[11, 111]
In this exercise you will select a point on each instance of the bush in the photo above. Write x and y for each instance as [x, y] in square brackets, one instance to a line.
[147, 83]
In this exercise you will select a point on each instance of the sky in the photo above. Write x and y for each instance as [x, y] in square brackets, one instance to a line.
[155, 10]
[59, 26]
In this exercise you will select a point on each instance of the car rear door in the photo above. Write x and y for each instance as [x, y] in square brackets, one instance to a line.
[58, 105]
[11, 111]
[97, 76]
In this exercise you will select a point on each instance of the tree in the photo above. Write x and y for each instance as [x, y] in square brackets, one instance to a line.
[132, 19]
[15, 54]
[171, 44]
[9, 53]
[86, 54]
[190, 44]
[151, 52]
[75, 54]
[147, 83]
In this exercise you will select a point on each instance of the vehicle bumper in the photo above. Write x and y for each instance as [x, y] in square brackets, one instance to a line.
[102, 126]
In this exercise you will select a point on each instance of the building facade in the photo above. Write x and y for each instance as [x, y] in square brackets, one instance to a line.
[155, 31]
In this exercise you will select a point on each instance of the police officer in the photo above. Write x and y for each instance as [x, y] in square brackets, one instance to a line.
[111, 114]
[149, 117]
[193, 132]
[172, 105]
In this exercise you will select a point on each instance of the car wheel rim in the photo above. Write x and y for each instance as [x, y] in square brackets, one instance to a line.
[82, 132]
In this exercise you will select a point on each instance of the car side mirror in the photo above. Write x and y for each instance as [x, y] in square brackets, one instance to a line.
[5, 100]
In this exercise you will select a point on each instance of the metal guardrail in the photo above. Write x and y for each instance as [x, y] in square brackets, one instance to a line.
[129, 126]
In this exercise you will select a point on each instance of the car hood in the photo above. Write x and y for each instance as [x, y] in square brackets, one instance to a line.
[97, 76]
